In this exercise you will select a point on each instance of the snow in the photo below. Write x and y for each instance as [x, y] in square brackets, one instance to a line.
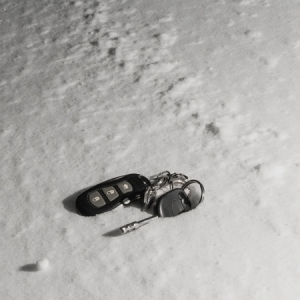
[42, 264]
[92, 90]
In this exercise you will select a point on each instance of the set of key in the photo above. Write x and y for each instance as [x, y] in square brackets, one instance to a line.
[167, 194]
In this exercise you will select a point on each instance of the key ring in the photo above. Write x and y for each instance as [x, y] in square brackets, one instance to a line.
[193, 199]
[177, 179]
[160, 180]
[161, 183]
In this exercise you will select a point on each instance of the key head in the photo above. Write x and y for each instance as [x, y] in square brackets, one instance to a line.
[180, 200]
[172, 204]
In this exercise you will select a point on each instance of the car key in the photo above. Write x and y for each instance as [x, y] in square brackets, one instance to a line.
[109, 194]
[172, 204]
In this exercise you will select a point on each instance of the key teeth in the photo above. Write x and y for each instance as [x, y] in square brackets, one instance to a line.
[129, 227]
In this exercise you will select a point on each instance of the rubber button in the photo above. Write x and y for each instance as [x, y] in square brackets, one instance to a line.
[125, 187]
[96, 199]
[111, 193]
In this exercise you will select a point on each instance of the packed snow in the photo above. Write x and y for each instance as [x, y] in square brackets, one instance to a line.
[42, 264]
[91, 90]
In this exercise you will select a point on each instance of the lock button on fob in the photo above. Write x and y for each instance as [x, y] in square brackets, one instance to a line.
[96, 199]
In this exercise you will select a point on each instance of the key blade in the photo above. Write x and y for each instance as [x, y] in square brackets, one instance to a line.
[135, 225]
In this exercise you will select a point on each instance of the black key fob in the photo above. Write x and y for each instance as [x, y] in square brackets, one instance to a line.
[109, 194]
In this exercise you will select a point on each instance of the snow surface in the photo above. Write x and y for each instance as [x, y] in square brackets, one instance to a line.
[91, 90]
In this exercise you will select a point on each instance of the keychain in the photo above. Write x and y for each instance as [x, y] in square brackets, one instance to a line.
[168, 195]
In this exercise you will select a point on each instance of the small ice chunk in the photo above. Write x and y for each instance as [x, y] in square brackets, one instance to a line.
[42, 264]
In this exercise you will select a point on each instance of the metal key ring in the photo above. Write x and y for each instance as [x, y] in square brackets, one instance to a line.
[201, 187]
[160, 180]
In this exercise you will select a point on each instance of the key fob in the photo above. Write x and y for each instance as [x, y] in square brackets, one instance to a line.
[109, 194]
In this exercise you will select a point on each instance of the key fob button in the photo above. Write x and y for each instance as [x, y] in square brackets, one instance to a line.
[96, 199]
[110, 193]
[125, 187]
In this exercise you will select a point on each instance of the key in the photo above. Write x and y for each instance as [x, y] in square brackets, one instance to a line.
[172, 204]
[110, 194]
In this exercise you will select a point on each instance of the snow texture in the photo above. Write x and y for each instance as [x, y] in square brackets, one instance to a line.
[91, 90]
